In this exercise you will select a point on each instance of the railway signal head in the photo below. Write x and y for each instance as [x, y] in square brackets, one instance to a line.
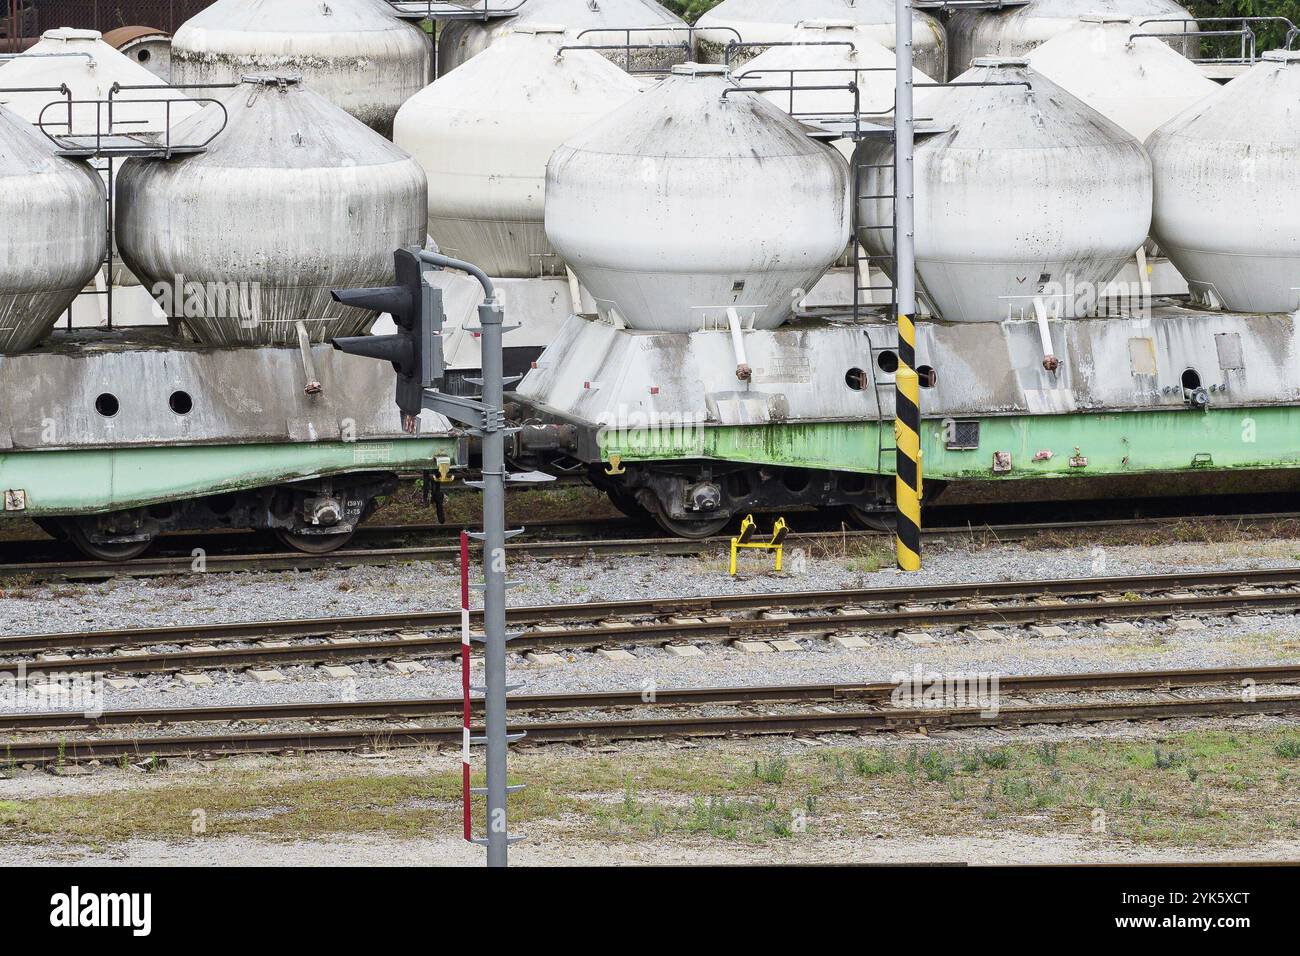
[415, 351]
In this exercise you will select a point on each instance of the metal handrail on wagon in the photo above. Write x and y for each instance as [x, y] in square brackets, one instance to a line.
[101, 136]
[687, 46]
[443, 10]
[627, 48]
[1249, 38]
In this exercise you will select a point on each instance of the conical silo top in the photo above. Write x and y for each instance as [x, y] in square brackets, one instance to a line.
[274, 121]
[90, 68]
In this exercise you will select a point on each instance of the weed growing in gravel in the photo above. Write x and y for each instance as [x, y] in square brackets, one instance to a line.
[937, 767]
[1048, 754]
[1166, 759]
[16, 586]
[835, 763]
[716, 816]
[865, 564]
[866, 764]
[778, 827]
[1200, 808]
[631, 810]
[1224, 789]
[771, 770]
[998, 759]
[1288, 748]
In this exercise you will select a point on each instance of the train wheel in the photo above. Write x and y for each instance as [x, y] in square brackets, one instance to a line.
[687, 528]
[885, 521]
[313, 543]
[125, 551]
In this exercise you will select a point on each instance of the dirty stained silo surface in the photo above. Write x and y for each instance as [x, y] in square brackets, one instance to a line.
[355, 53]
[1226, 189]
[292, 199]
[664, 209]
[54, 232]
[484, 133]
[1030, 195]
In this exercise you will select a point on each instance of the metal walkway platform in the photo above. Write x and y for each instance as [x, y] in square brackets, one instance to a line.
[120, 145]
[442, 10]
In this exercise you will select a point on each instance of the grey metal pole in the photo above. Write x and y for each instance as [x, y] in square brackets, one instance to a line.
[905, 239]
[491, 316]
[494, 594]
[907, 394]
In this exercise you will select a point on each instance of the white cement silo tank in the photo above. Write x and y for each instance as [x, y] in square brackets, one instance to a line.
[355, 53]
[1227, 192]
[770, 21]
[1029, 195]
[54, 234]
[484, 132]
[293, 199]
[1139, 83]
[590, 22]
[691, 200]
[1015, 31]
[90, 68]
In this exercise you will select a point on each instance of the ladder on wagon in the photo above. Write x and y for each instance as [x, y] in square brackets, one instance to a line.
[884, 352]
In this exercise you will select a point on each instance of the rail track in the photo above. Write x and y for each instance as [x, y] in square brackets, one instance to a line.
[869, 716]
[558, 541]
[876, 694]
[719, 618]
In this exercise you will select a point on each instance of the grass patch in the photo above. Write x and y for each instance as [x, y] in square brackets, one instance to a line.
[1187, 531]
[1288, 748]
[1205, 788]
[17, 586]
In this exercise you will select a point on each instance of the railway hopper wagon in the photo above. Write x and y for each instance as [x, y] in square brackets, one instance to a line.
[238, 413]
[483, 134]
[699, 386]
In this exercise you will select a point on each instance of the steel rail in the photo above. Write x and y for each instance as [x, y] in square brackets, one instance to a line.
[817, 722]
[734, 603]
[415, 708]
[721, 630]
[177, 565]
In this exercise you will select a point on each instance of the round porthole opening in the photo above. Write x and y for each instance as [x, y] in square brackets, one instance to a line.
[181, 403]
[887, 361]
[107, 405]
[856, 379]
[928, 376]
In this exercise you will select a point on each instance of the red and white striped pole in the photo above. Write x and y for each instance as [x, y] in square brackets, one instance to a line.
[464, 677]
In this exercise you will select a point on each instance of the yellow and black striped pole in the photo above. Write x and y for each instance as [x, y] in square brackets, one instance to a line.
[907, 396]
[907, 439]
